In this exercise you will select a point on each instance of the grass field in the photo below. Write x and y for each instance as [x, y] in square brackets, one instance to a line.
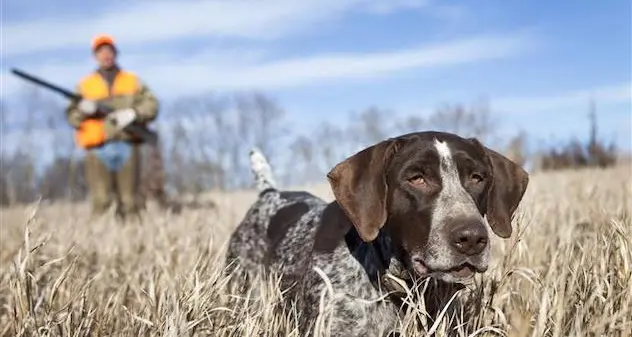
[566, 271]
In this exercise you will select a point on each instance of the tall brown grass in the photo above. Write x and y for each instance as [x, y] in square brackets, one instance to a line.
[566, 271]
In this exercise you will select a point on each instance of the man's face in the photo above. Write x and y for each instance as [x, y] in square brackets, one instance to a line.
[105, 56]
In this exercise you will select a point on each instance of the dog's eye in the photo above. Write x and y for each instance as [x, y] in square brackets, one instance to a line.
[417, 180]
[476, 178]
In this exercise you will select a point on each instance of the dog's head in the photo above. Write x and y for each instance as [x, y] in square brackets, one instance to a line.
[435, 194]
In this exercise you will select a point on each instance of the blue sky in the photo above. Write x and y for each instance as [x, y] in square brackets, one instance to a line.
[537, 62]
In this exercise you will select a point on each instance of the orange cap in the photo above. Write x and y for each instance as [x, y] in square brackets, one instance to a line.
[101, 40]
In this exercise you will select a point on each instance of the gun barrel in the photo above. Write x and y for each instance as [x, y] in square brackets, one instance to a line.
[66, 93]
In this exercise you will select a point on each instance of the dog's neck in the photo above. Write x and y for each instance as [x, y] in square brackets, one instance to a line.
[376, 257]
[379, 258]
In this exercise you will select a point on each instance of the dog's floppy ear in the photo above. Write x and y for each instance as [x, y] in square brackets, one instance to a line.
[509, 183]
[359, 185]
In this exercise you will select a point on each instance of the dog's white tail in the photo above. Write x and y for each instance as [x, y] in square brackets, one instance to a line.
[261, 170]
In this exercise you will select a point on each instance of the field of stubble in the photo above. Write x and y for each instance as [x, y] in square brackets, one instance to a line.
[566, 271]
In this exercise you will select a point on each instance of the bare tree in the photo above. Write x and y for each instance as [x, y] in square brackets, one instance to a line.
[261, 118]
[3, 123]
[475, 121]
[260, 123]
[332, 146]
[451, 118]
[207, 138]
[370, 126]
[302, 163]
[575, 154]
[411, 124]
[19, 168]
[55, 182]
[484, 123]
[4, 183]
[211, 139]
[196, 149]
[20, 172]
[221, 137]
[178, 158]
[517, 149]
[58, 179]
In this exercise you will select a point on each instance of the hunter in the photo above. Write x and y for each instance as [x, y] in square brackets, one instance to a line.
[112, 155]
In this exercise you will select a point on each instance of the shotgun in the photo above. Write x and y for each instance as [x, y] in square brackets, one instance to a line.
[135, 129]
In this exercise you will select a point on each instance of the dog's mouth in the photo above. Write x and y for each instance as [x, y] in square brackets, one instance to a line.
[457, 273]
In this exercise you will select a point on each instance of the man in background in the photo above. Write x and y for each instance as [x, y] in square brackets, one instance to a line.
[112, 160]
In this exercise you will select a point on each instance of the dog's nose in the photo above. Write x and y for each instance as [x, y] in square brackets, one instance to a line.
[469, 239]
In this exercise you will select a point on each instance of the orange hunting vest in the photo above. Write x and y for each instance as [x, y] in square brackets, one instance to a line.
[91, 132]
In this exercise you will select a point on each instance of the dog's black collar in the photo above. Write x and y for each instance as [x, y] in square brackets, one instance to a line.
[374, 256]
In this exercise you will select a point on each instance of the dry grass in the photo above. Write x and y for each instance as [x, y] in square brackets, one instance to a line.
[567, 272]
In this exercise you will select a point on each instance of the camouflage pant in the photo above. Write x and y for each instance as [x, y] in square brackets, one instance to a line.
[120, 183]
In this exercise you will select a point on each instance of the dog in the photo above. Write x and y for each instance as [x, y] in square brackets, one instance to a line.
[418, 206]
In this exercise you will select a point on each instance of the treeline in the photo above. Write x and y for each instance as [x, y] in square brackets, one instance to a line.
[205, 141]
[575, 154]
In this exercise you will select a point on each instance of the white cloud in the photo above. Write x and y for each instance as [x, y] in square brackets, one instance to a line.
[216, 70]
[388, 6]
[334, 67]
[163, 25]
[147, 22]
[611, 94]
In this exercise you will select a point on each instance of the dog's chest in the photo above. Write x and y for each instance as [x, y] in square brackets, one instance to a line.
[359, 307]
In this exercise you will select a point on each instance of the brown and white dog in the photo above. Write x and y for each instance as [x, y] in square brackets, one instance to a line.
[420, 205]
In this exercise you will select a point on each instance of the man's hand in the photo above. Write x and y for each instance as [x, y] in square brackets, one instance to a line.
[122, 118]
[87, 106]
